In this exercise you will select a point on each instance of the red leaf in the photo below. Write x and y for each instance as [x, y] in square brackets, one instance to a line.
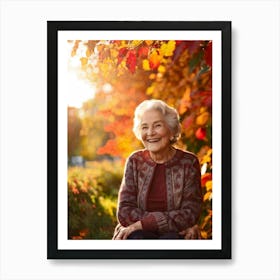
[122, 54]
[200, 133]
[208, 54]
[131, 61]
[182, 45]
[143, 52]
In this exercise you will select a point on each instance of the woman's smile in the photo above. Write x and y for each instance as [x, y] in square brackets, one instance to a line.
[153, 140]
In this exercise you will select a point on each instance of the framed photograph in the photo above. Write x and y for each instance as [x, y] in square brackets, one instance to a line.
[139, 139]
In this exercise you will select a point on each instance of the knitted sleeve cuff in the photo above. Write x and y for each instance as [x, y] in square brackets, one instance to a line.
[149, 223]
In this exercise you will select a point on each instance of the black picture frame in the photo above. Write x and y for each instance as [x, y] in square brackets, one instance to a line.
[53, 251]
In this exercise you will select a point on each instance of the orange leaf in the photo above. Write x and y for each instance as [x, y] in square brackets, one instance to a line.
[84, 61]
[202, 118]
[154, 60]
[205, 178]
[148, 42]
[84, 232]
[207, 196]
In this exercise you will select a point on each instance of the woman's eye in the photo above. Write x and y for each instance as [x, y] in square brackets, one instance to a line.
[144, 127]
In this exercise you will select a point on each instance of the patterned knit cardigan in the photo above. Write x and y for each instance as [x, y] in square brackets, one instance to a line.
[184, 197]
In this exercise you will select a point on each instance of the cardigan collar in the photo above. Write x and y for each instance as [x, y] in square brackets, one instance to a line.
[147, 158]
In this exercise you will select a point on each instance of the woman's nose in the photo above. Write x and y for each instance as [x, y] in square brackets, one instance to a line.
[150, 131]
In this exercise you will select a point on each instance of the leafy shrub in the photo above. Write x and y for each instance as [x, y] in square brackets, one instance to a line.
[92, 200]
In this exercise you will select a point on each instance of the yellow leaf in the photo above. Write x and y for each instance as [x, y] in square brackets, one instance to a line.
[100, 48]
[207, 196]
[167, 49]
[135, 43]
[208, 186]
[114, 53]
[146, 65]
[207, 157]
[150, 90]
[161, 69]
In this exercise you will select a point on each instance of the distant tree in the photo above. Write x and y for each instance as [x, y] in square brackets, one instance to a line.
[74, 127]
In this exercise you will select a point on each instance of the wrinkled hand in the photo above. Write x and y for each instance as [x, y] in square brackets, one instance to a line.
[126, 231]
[191, 233]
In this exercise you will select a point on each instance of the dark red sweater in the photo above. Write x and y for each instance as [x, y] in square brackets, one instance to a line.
[156, 199]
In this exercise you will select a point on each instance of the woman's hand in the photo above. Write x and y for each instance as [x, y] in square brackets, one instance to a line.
[191, 233]
[126, 231]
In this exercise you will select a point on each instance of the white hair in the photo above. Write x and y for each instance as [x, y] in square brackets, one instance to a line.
[170, 115]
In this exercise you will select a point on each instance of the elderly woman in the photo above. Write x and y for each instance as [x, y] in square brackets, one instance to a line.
[160, 195]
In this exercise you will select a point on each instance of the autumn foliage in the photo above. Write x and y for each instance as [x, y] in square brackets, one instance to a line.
[127, 72]
[92, 199]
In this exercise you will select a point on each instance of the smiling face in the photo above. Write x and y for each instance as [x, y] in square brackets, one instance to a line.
[155, 133]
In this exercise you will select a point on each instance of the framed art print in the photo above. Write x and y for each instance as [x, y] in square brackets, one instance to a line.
[98, 74]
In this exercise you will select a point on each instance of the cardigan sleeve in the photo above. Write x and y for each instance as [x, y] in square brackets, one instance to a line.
[128, 211]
